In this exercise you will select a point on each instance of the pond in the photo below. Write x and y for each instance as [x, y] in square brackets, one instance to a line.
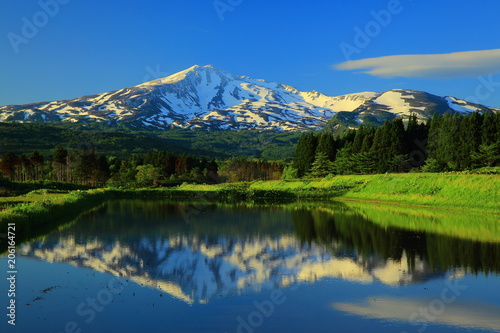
[159, 266]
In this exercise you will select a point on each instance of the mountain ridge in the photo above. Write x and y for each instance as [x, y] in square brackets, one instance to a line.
[210, 98]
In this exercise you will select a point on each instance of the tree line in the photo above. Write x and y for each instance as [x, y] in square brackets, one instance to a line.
[72, 166]
[452, 142]
[87, 167]
[154, 168]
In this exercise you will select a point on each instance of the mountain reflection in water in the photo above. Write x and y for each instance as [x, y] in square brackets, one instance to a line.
[238, 249]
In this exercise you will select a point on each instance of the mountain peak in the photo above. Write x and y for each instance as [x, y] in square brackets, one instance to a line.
[209, 97]
[174, 78]
[198, 68]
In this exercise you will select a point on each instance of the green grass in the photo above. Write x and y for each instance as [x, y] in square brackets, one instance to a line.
[466, 192]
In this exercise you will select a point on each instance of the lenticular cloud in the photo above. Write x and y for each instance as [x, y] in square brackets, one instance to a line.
[446, 65]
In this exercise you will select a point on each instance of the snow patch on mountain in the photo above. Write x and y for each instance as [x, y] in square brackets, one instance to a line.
[460, 105]
[211, 98]
[398, 101]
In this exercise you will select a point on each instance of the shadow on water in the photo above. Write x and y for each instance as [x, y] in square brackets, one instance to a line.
[358, 234]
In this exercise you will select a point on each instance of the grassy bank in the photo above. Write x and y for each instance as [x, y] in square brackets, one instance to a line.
[475, 226]
[451, 191]
[468, 192]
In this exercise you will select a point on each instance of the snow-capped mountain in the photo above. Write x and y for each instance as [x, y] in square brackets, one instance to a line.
[208, 97]
[195, 270]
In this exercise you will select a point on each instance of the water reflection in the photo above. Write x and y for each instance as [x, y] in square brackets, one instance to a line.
[357, 233]
[239, 249]
[421, 312]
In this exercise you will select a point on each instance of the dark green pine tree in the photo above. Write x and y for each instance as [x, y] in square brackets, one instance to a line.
[496, 116]
[489, 129]
[395, 154]
[326, 145]
[361, 134]
[363, 163]
[367, 141]
[346, 139]
[377, 149]
[488, 155]
[381, 146]
[443, 140]
[304, 153]
[433, 163]
[468, 138]
[102, 170]
[85, 168]
[321, 167]
[344, 165]
[411, 135]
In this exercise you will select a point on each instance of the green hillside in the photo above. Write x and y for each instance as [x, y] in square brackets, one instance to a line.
[121, 142]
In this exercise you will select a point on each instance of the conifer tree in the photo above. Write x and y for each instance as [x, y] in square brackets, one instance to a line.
[363, 163]
[488, 155]
[343, 164]
[489, 129]
[304, 154]
[367, 142]
[326, 145]
[321, 167]
[358, 140]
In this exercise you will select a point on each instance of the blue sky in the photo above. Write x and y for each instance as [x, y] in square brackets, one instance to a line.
[86, 47]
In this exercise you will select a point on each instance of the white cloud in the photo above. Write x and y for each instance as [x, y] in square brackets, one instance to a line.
[447, 65]
[458, 313]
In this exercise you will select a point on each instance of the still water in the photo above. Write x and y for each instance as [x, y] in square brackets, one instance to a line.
[156, 266]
